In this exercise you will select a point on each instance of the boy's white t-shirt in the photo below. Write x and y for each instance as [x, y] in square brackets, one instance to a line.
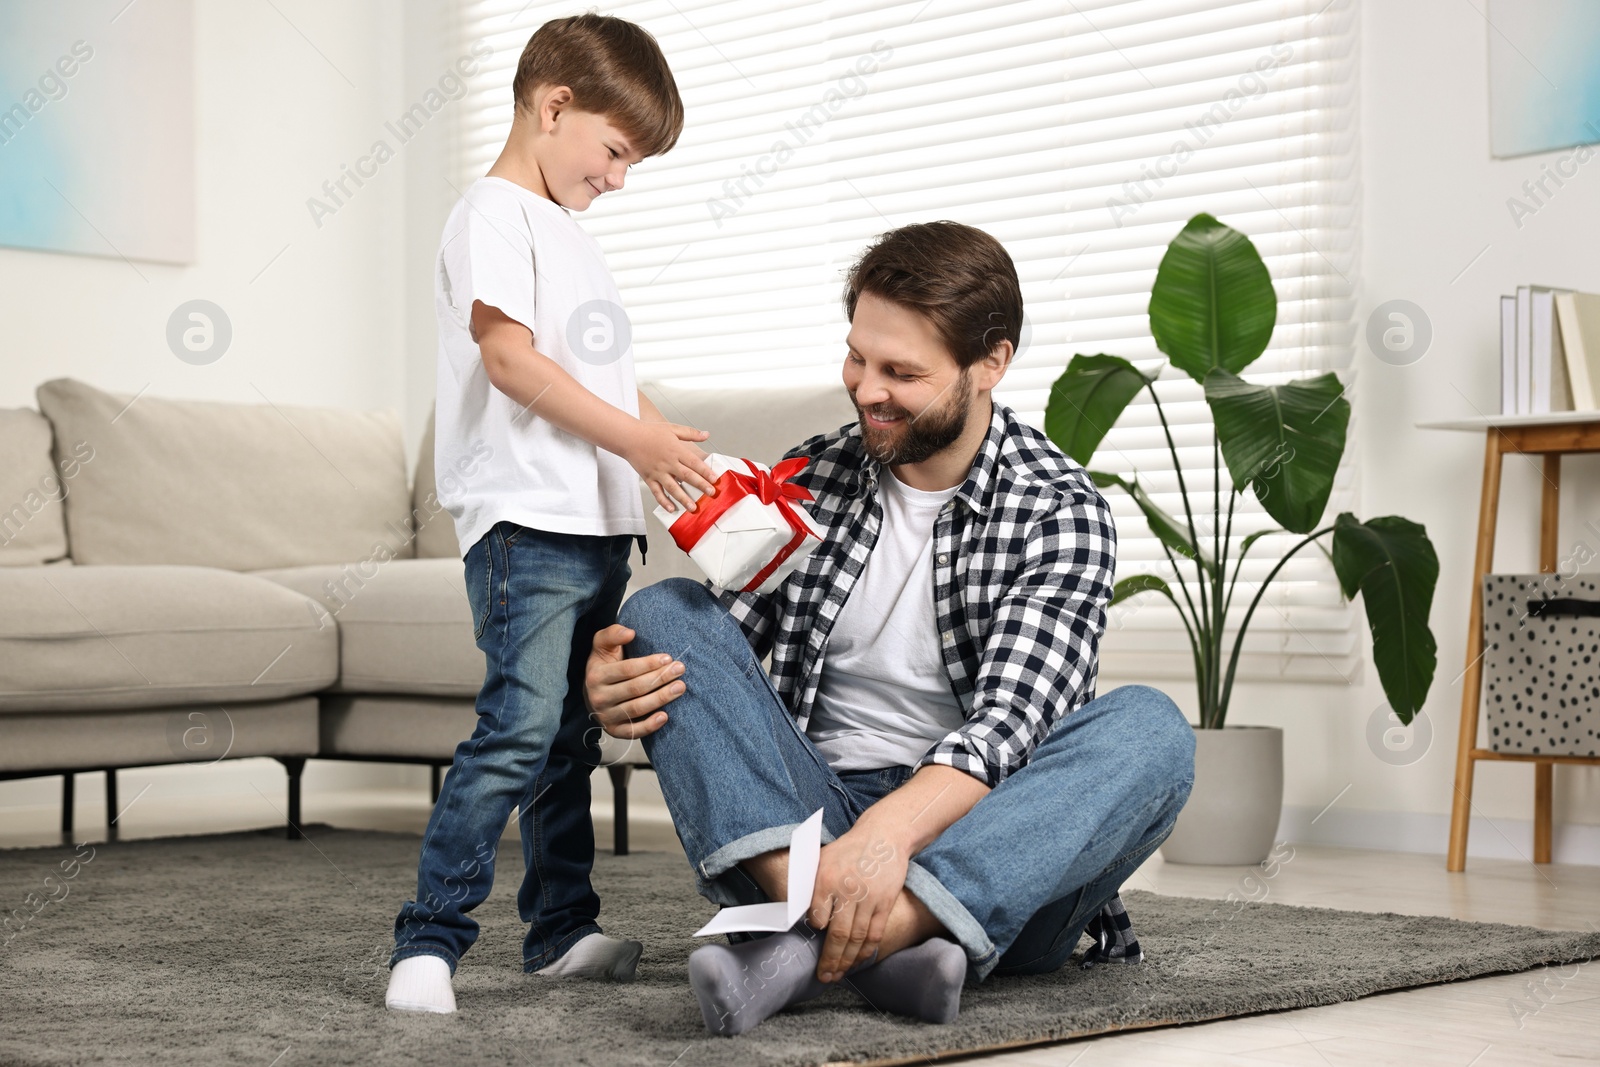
[525, 255]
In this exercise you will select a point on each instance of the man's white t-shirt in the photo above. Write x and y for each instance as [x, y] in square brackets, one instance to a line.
[884, 698]
[525, 255]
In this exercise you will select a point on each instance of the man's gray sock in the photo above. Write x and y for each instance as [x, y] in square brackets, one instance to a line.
[740, 985]
[922, 981]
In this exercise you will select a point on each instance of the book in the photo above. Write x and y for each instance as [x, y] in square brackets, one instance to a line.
[1579, 317]
[1508, 355]
[1524, 351]
[1547, 372]
[1538, 378]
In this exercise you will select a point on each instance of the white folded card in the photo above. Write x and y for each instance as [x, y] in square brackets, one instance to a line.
[805, 846]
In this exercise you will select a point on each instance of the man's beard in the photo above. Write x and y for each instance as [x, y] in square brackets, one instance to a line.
[916, 438]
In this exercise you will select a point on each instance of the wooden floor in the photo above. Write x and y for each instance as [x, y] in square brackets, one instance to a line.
[1506, 1020]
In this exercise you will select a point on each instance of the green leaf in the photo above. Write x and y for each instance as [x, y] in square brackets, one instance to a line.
[1253, 538]
[1283, 440]
[1086, 401]
[1212, 304]
[1171, 532]
[1140, 583]
[1391, 563]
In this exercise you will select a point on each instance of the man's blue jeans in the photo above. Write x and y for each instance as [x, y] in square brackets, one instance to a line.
[537, 600]
[1015, 881]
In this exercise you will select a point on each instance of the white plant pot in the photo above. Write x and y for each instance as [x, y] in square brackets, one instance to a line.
[1232, 814]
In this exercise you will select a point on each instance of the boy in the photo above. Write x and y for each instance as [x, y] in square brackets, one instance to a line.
[536, 373]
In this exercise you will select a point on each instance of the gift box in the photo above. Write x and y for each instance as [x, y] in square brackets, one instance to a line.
[752, 531]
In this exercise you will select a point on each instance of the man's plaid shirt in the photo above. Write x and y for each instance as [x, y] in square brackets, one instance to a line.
[1023, 559]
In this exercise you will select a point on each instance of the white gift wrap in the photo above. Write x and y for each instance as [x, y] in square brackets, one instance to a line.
[746, 537]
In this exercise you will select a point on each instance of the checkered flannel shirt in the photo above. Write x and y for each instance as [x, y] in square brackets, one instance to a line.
[1023, 558]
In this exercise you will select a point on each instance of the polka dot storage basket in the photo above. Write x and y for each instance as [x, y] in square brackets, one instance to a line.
[1541, 663]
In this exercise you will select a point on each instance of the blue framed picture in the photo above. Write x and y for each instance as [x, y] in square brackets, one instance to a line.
[1544, 75]
[97, 128]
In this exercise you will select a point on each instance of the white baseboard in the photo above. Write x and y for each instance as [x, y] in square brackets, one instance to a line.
[1397, 831]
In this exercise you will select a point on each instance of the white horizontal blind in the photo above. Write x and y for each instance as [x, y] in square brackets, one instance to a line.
[814, 126]
[1246, 111]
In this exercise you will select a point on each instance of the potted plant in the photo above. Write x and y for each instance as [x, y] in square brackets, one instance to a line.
[1212, 312]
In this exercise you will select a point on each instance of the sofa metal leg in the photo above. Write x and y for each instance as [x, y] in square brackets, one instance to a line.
[294, 765]
[68, 783]
[433, 782]
[111, 803]
[620, 773]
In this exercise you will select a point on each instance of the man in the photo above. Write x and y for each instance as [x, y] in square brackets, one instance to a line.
[932, 681]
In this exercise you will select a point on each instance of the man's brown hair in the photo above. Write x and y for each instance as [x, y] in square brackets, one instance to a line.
[958, 278]
[613, 68]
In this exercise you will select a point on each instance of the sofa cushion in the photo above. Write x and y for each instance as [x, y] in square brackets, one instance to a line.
[430, 728]
[32, 529]
[238, 486]
[95, 638]
[60, 740]
[758, 424]
[404, 627]
[436, 529]
[404, 727]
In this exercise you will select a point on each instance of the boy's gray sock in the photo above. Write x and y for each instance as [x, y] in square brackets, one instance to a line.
[597, 956]
[923, 981]
[738, 986]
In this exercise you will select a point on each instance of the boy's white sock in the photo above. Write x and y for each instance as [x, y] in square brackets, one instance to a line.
[597, 956]
[421, 983]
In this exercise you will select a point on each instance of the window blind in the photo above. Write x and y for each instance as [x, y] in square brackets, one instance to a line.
[1083, 135]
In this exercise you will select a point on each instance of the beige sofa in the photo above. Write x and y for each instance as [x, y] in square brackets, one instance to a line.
[190, 581]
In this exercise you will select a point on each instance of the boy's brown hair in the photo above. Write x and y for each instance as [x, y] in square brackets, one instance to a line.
[614, 68]
[958, 278]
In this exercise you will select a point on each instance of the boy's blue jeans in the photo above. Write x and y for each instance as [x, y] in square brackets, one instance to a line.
[1015, 881]
[537, 600]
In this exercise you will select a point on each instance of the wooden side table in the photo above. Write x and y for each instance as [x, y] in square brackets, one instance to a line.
[1549, 436]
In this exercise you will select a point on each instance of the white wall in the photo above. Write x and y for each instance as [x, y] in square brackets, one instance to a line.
[430, 192]
[344, 317]
[274, 119]
[1433, 201]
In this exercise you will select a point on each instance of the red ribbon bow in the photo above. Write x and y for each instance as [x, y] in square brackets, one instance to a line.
[769, 487]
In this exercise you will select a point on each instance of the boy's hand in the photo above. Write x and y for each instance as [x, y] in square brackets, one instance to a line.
[662, 455]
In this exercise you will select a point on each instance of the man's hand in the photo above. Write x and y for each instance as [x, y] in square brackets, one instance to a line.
[625, 695]
[859, 878]
[662, 455]
[860, 874]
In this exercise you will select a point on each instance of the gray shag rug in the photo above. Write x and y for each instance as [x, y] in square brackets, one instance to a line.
[247, 948]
